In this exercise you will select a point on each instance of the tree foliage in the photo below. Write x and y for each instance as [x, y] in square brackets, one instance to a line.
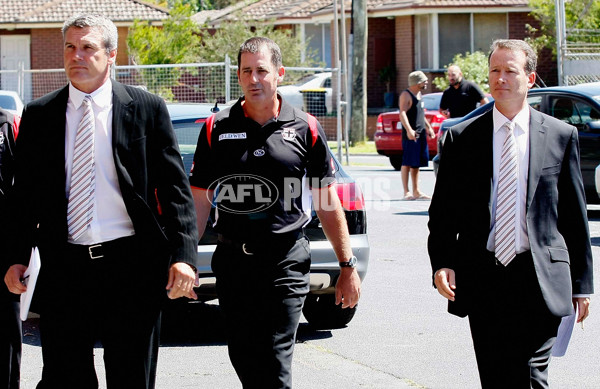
[474, 67]
[178, 41]
[231, 34]
[582, 15]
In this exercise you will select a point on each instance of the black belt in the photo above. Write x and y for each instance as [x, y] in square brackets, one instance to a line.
[100, 250]
[250, 247]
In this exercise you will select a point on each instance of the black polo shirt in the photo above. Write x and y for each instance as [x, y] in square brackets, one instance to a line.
[462, 100]
[261, 175]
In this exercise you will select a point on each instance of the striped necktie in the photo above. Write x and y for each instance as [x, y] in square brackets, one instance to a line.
[81, 192]
[506, 201]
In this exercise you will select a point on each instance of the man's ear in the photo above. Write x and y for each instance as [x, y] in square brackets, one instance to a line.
[531, 80]
[280, 73]
[112, 57]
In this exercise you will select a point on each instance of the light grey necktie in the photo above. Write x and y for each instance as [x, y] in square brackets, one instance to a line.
[81, 192]
[506, 202]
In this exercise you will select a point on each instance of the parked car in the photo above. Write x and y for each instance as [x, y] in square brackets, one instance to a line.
[10, 101]
[578, 105]
[319, 82]
[388, 134]
[319, 309]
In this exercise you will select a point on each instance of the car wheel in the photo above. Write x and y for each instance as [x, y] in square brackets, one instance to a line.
[321, 312]
[396, 161]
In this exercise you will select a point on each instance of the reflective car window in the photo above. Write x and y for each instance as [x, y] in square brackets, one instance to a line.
[327, 83]
[432, 102]
[7, 102]
[574, 111]
[535, 102]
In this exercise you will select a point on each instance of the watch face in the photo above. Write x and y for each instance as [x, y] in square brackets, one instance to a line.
[349, 263]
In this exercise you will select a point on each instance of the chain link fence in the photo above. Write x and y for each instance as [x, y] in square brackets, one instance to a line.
[310, 89]
[582, 56]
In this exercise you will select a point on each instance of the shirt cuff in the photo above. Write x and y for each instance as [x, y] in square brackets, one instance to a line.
[581, 295]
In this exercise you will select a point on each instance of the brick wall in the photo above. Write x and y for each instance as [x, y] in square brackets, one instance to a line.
[381, 31]
[546, 68]
[405, 50]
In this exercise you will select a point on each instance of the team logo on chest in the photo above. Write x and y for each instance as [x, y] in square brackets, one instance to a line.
[288, 134]
[259, 152]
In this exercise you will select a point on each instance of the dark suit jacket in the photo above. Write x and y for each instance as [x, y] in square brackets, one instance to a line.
[149, 168]
[557, 226]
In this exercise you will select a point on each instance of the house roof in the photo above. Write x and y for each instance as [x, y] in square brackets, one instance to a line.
[57, 11]
[306, 9]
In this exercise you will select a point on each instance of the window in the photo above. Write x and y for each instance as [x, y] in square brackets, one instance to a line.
[320, 41]
[439, 37]
[535, 102]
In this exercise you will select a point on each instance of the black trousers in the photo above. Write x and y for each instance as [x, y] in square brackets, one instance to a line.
[513, 332]
[116, 300]
[261, 296]
[10, 339]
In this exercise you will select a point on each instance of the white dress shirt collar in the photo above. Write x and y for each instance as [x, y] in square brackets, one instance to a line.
[521, 119]
[102, 96]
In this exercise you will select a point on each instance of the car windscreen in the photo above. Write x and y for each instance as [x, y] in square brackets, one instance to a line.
[7, 102]
[432, 102]
[187, 137]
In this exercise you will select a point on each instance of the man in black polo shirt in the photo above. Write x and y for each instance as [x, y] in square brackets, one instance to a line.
[461, 97]
[260, 162]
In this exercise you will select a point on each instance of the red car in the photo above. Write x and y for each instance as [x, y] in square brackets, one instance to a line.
[388, 138]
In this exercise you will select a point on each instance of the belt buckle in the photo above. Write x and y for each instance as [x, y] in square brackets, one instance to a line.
[246, 251]
[91, 251]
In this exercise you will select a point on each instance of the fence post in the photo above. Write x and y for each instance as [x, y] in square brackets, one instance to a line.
[227, 78]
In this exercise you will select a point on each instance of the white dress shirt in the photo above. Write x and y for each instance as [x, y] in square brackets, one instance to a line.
[521, 132]
[110, 218]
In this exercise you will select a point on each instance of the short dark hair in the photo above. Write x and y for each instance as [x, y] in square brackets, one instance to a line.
[516, 45]
[254, 44]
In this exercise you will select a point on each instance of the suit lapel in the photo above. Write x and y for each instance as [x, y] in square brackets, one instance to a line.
[537, 147]
[122, 126]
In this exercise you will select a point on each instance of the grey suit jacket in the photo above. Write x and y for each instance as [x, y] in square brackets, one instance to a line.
[150, 171]
[557, 226]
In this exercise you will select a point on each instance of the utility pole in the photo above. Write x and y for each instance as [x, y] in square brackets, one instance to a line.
[358, 125]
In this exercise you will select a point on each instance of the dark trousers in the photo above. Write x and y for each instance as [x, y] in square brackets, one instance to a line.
[513, 331]
[115, 300]
[261, 297]
[10, 340]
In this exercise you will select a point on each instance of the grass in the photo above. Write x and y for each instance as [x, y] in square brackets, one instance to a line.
[358, 148]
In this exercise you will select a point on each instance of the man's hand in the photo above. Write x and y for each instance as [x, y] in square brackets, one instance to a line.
[444, 280]
[182, 279]
[347, 288]
[411, 134]
[13, 278]
[582, 304]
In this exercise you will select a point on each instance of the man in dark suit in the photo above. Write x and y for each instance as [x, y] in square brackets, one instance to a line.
[10, 322]
[109, 247]
[513, 252]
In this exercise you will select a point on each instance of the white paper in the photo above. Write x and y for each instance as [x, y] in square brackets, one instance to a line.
[30, 278]
[564, 335]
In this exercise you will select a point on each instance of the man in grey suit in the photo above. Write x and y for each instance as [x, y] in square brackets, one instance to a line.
[514, 254]
[100, 188]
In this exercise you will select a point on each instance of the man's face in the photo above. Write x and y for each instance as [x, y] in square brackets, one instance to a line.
[258, 77]
[423, 85]
[508, 80]
[86, 61]
[454, 76]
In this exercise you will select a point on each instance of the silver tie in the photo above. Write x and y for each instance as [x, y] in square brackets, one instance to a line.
[506, 202]
[81, 192]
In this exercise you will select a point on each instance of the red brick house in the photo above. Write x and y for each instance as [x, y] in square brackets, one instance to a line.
[30, 32]
[409, 34]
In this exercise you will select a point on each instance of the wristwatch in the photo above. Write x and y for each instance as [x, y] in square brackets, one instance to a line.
[349, 263]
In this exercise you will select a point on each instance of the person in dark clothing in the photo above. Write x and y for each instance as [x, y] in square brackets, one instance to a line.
[260, 162]
[10, 323]
[414, 141]
[461, 97]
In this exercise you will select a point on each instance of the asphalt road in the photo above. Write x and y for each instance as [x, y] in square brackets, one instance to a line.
[401, 336]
